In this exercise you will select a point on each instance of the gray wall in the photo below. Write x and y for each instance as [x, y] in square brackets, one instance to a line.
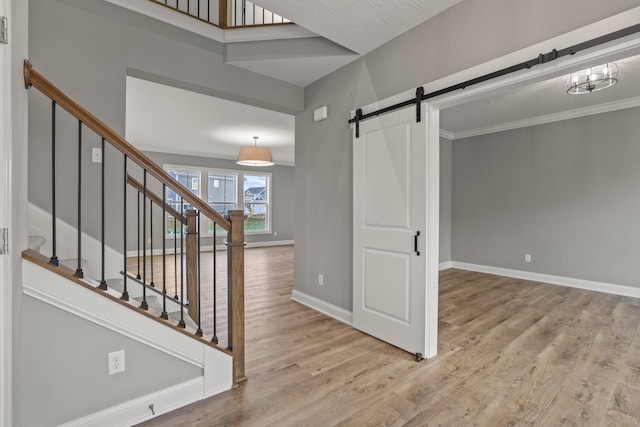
[66, 359]
[282, 204]
[468, 34]
[87, 48]
[446, 171]
[564, 192]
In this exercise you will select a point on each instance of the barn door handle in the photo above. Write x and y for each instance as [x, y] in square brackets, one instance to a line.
[415, 243]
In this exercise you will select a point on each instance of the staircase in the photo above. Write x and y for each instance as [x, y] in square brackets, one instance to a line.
[169, 282]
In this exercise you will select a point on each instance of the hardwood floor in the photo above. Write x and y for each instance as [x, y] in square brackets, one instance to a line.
[510, 352]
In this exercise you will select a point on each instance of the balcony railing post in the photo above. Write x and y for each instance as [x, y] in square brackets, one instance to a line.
[192, 263]
[235, 259]
[222, 13]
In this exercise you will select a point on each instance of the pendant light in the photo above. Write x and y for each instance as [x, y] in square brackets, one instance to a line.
[593, 79]
[254, 155]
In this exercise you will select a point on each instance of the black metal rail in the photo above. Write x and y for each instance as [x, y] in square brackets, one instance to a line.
[542, 58]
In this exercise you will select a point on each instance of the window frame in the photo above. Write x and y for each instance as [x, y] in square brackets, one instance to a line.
[195, 169]
[203, 189]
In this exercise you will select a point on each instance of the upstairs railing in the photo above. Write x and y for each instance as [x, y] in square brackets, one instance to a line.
[226, 13]
[180, 278]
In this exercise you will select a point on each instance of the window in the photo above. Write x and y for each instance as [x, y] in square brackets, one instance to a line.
[190, 178]
[256, 202]
[224, 193]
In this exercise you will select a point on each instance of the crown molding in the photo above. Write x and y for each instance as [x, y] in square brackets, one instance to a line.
[548, 118]
[446, 134]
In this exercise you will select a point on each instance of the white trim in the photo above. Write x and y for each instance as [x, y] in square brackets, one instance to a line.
[187, 23]
[338, 313]
[571, 282]
[433, 231]
[209, 248]
[55, 290]
[445, 265]
[446, 134]
[6, 220]
[548, 118]
[137, 410]
[269, 243]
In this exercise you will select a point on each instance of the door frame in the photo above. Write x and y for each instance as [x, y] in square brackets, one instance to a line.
[6, 277]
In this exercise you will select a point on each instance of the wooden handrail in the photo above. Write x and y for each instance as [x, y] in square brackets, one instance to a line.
[35, 79]
[155, 199]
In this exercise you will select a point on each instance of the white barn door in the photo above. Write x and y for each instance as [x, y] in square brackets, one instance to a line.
[391, 250]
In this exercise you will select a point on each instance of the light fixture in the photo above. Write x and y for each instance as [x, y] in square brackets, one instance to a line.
[593, 79]
[254, 155]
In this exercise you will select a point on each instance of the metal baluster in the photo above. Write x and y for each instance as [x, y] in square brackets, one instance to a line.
[209, 10]
[103, 283]
[199, 299]
[138, 207]
[54, 258]
[164, 314]
[175, 258]
[125, 294]
[144, 305]
[215, 328]
[79, 272]
[182, 324]
[151, 233]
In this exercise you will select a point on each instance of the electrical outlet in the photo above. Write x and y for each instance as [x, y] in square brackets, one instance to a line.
[115, 362]
[321, 279]
[275, 234]
[527, 257]
[96, 155]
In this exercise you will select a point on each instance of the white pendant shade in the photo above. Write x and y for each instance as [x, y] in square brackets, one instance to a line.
[255, 156]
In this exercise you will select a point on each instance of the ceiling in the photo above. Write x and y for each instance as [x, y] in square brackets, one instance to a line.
[362, 25]
[171, 120]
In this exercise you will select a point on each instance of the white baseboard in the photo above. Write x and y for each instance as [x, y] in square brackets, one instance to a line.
[338, 313]
[137, 410]
[445, 265]
[589, 285]
[209, 248]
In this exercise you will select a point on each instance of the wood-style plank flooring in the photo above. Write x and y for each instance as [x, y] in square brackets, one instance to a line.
[511, 352]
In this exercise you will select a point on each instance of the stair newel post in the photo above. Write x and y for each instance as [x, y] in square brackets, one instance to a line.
[79, 272]
[192, 263]
[103, 283]
[223, 13]
[235, 260]
[54, 258]
[125, 293]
